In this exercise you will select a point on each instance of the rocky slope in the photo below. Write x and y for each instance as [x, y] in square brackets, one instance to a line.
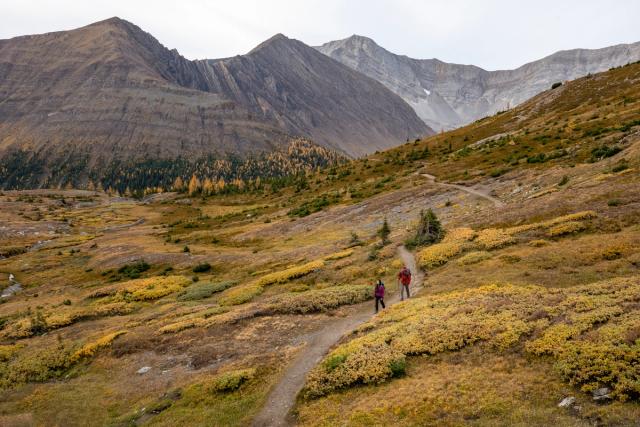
[295, 86]
[74, 102]
[447, 95]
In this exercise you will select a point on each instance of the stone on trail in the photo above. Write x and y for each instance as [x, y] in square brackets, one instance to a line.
[144, 370]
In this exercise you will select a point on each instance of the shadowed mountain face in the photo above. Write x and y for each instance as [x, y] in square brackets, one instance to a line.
[295, 86]
[110, 92]
[447, 96]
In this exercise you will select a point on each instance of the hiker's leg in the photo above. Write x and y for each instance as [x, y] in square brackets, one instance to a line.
[408, 295]
[377, 299]
[382, 302]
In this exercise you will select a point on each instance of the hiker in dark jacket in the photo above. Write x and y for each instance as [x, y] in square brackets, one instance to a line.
[404, 278]
[379, 294]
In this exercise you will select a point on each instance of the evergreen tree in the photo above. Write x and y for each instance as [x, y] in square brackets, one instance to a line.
[429, 230]
[384, 232]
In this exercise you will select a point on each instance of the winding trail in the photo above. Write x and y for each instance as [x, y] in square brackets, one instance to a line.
[280, 401]
[480, 193]
[124, 226]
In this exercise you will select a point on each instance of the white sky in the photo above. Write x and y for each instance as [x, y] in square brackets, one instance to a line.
[493, 34]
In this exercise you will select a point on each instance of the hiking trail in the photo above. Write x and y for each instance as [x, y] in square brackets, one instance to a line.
[476, 192]
[280, 401]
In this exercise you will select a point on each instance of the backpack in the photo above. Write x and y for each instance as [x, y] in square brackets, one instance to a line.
[379, 291]
[405, 276]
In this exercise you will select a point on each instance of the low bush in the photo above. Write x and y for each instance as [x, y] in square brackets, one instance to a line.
[194, 320]
[90, 349]
[43, 364]
[319, 300]
[493, 238]
[241, 294]
[144, 289]
[290, 273]
[590, 332]
[203, 290]
[339, 255]
[538, 243]
[570, 227]
[202, 268]
[133, 271]
[40, 322]
[438, 254]
[231, 380]
[474, 257]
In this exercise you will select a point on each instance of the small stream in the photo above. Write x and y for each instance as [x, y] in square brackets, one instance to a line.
[13, 287]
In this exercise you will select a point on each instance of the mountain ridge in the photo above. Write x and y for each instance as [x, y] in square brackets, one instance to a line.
[447, 95]
[110, 92]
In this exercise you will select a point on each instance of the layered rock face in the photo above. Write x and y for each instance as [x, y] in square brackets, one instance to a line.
[447, 95]
[111, 92]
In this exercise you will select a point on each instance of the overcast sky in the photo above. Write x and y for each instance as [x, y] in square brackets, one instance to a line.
[493, 34]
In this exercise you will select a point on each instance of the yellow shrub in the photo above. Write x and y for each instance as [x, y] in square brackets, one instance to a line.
[592, 332]
[320, 299]
[538, 243]
[584, 215]
[90, 349]
[241, 294]
[397, 264]
[61, 317]
[438, 254]
[182, 325]
[463, 234]
[144, 289]
[154, 287]
[339, 255]
[231, 380]
[566, 228]
[193, 320]
[493, 238]
[474, 257]
[7, 351]
[290, 273]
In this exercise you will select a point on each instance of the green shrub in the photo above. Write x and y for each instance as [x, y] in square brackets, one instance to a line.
[203, 290]
[603, 152]
[202, 268]
[619, 168]
[556, 85]
[398, 367]
[133, 271]
[232, 380]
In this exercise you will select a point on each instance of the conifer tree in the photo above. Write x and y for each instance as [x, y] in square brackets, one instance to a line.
[384, 232]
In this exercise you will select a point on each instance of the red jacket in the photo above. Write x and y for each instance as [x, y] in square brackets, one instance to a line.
[405, 276]
[379, 291]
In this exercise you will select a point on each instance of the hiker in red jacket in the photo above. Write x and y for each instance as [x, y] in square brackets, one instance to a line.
[379, 294]
[404, 279]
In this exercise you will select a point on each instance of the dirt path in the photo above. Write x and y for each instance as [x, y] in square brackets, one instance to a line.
[124, 226]
[276, 410]
[480, 193]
